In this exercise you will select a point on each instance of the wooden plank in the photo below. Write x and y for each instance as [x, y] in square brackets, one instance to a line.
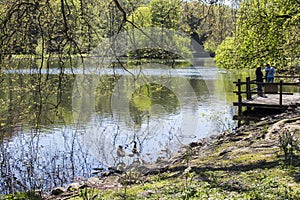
[271, 88]
[285, 93]
[275, 83]
[267, 106]
[271, 101]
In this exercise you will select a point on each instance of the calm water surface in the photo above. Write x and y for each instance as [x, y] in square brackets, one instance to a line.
[57, 136]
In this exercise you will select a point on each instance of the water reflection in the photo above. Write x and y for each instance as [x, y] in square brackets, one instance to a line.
[55, 127]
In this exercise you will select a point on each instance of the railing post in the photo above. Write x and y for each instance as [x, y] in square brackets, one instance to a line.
[239, 97]
[248, 88]
[280, 93]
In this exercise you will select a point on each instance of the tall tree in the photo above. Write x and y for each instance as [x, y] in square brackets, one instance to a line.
[266, 31]
[209, 22]
[165, 13]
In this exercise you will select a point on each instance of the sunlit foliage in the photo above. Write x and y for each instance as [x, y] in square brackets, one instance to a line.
[266, 32]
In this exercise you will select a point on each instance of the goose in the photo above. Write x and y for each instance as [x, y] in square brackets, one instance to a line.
[135, 150]
[120, 151]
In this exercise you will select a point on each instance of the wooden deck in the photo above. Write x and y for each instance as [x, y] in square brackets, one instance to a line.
[271, 101]
[275, 98]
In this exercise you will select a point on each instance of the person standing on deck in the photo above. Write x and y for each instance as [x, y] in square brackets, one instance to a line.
[270, 73]
[267, 69]
[259, 80]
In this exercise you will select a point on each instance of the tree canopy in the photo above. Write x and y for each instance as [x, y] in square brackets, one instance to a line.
[241, 33]
[67, 27]
[266, 32]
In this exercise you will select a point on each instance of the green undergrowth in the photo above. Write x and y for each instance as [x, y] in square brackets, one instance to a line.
[277, 182]
[245, 172]
[22, 196]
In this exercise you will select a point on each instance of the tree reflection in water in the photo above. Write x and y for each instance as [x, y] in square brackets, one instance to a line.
[41, 146]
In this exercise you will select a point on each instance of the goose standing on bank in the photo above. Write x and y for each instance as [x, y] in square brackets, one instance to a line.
[135, 150]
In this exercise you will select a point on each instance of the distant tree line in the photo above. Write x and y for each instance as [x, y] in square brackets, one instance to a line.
[242, 33]
[67, 27]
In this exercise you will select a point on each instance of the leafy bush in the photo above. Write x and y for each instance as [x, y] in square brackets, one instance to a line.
[288, 143]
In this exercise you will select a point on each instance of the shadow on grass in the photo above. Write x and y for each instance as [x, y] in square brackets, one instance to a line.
[231, 185]
[233, 168]
[213, 180]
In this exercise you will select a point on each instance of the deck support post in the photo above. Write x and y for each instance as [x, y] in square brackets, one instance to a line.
[280, 93]
[248, 88]
[248, 91]
[239, 97]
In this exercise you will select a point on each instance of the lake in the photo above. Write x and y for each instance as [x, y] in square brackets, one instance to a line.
[58, 123]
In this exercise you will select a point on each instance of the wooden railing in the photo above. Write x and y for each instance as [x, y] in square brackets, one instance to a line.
[250, 90]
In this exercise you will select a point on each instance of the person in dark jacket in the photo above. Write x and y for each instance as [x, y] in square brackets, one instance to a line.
[267, 69]
[259, 80]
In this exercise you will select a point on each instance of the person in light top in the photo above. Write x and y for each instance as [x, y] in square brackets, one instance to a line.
[270, 73]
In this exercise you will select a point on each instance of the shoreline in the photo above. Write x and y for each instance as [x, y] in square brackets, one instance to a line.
[251, 148]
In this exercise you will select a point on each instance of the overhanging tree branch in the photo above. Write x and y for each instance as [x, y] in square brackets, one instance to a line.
[121, 9]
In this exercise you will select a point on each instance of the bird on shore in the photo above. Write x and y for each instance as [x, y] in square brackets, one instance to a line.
[135, 150]
[120, 151]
